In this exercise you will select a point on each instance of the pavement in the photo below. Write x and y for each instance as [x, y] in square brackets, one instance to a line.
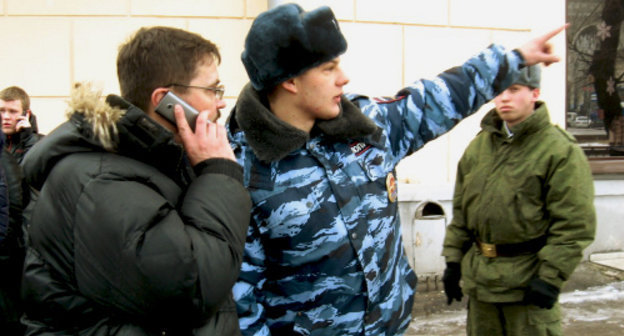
[612, 259]
[432, 316]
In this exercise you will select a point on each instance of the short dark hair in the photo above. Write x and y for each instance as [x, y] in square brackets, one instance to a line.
[16, 93]
[158, 56]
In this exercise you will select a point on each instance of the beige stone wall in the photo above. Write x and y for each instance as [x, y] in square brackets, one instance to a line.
[46, 45]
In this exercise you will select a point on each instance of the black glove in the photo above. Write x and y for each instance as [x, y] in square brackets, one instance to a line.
[541, 293]
[451, 277]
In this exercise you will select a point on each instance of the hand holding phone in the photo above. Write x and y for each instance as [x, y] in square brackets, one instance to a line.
[166, 105]
[22, 121]
[210, 140]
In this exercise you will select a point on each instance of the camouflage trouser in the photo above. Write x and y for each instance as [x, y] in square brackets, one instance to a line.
[512, 319]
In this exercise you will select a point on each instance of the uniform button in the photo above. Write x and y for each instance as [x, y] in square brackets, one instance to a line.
[299, 313]
[354, 235]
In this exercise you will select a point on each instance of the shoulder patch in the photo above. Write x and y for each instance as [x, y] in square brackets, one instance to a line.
[358, 148]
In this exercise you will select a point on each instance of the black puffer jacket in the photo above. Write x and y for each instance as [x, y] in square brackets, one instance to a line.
[20, 143]
[13, 199]
[126, 240]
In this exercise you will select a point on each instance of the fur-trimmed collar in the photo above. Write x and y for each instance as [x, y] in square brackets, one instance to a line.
[111, 125]
[272, 139]
[101, 116]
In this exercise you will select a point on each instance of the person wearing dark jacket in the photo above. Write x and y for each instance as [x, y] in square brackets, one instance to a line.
[523, 212]
[12, 244]
[12, 201]
[19, 124]
[140, 223]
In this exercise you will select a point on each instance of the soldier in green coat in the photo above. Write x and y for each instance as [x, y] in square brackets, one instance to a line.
[522, 214]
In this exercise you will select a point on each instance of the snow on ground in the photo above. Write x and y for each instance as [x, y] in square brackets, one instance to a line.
[601, 303]
[599, 308]
[610, 292]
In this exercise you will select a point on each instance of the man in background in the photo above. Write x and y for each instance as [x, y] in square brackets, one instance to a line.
[523, 212]
[19, 124]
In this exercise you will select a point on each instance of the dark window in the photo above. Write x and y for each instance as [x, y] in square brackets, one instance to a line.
[595, 83]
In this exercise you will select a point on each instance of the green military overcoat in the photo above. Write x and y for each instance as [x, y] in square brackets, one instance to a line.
[513, 189]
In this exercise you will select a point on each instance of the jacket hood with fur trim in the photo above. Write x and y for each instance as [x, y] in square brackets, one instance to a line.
[112, 125]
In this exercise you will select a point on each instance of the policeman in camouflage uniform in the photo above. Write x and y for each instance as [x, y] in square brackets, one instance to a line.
[324, 253]
[522, 214]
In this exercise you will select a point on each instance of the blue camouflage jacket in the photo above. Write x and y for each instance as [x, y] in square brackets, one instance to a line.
[324, 253]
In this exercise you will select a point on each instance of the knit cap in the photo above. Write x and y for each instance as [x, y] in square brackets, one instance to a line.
[530, 76]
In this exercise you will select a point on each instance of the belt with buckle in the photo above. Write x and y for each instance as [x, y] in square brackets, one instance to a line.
[511, 250]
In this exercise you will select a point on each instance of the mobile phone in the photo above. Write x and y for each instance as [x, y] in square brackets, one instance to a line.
[166, 105]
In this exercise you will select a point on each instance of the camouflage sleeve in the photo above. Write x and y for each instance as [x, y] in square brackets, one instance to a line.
[570, 205]
[427, 109]
[247, 290]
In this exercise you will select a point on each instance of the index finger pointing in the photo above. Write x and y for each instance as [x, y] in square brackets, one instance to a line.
[554, 32]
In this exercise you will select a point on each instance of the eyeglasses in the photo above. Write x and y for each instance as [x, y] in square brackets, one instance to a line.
[218, 90]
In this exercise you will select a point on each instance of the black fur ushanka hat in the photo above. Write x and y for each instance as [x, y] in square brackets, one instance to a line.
[285, 41]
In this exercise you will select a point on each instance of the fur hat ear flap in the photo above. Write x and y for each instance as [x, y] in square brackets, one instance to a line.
[286, 41]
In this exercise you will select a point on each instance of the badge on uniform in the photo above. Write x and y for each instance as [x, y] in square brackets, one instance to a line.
[391, 187]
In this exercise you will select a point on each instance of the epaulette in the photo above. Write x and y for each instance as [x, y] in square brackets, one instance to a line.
[567, 134]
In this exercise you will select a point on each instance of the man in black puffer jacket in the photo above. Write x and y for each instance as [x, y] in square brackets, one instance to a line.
[12, 202]
[140, 224]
